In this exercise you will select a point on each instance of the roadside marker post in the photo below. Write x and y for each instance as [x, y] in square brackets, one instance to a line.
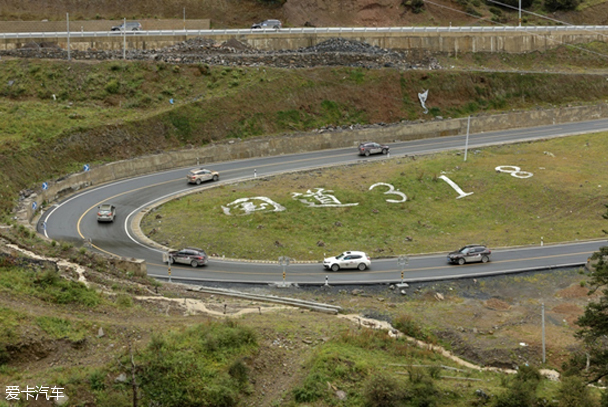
[403, 261]
[284, 262]
[167, 258]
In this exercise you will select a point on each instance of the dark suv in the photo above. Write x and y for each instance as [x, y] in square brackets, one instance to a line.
[190, 255]
[372, 148]
[469, 254]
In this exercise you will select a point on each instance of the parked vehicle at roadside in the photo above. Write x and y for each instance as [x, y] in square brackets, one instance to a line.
[106, 213]
[202, 174]
[348, 260]
[128, 26]
[190, 255]
[469, 254]
[370, 147]
[267, 25]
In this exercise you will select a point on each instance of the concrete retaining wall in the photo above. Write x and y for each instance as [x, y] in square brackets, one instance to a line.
[451, 42]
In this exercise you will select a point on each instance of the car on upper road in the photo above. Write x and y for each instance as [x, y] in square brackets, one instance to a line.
[106, 213]
[469, 254]
[190, 255]
[202, 174]
[128, 26]
[348, 260]
[267, 25]
[370, 147]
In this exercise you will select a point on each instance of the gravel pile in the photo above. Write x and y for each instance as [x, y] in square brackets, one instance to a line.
[344, 45]
[333, 52]
[208, 46]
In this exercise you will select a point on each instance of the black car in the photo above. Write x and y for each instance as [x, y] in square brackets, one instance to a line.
[190, 255]
[469, 254]
[370, 147]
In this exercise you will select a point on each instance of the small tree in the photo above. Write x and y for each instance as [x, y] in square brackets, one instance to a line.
[594, 321]
[521, 391]
[555, 5]
[574, 392]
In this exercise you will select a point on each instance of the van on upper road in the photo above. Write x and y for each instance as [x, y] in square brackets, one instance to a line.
[130, 26]
[267, 25]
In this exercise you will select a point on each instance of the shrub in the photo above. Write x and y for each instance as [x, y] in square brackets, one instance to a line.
[556, 5]
[183, 369]
[204, 69]
[410, 327]
[521, 389]
[312, 389]
[240, 372]
[112, 87]
[382, 390]
[574, 392]
[124, 300]
[97, 380]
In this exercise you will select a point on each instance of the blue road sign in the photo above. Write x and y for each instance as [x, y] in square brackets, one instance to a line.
[45, 186]
[44, 225]
[34, 205]
[86, 167]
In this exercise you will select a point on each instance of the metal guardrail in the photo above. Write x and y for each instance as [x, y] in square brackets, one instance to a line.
[303, 30]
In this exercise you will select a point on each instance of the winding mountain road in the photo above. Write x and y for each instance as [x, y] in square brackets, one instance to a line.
[74, 219]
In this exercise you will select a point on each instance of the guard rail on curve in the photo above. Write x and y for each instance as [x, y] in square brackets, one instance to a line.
[304, 30]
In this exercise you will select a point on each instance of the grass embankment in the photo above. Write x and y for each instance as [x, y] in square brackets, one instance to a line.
[51, 337]
[115, 110]
[562, 201]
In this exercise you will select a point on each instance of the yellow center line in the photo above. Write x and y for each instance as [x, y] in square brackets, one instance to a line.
[407, 270]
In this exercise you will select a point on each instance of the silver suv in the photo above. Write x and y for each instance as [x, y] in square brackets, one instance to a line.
[130, 26]
[190, 255]
[267, 25]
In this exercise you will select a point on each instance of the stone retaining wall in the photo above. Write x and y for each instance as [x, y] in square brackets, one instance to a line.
[446, 42]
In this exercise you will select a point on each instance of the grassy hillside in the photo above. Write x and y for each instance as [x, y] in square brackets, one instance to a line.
[184, 348]
[58, 115]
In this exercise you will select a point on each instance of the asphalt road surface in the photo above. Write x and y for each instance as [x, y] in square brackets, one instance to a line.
[74, 220]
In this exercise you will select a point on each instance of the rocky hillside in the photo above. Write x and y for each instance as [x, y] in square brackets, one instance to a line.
[298, 13]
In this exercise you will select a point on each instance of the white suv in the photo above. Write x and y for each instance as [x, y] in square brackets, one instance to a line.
[348, 260]
[202, 174]
[267, 25]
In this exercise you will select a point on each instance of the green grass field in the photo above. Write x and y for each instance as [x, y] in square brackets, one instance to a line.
[562, 201]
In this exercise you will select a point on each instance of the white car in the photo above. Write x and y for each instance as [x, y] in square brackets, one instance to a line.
[348, 260]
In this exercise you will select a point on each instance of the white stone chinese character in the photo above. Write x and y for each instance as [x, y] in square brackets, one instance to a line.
[12, 392]
[248, 205]
[323, 197]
